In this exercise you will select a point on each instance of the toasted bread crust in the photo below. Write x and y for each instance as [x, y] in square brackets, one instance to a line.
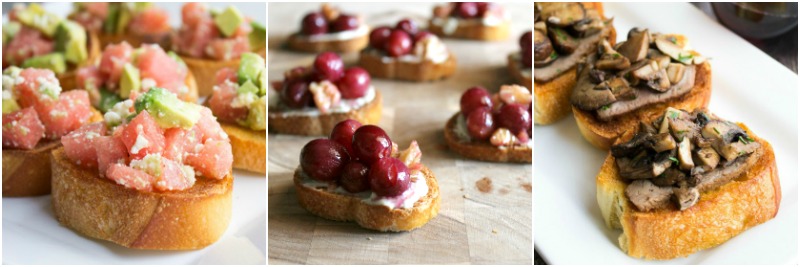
[749, 200]
[347, 208]
[603, 134]
[425, 70]
[474, 31]
[68, 80]
[323, 124]
[515, 68]
[483, 151]
[102, 209]
[297, 43]
[205, 70]
[249, 147]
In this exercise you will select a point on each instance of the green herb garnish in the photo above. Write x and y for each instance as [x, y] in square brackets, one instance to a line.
[553, 55]
[673, 159]
[683, 58]
[673, 115]
[606, 107]
[715, 129]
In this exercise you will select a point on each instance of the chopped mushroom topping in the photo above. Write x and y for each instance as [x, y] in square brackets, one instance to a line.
[562, 14]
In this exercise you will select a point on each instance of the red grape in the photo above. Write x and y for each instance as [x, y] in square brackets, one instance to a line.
[354, 83]
[398, 44]
[323, 159]
[480, 123]
[483, 7]
[525, 40]
[389, 177]
[514, 117]
[421, 35]
[379, 36]
[295, 93]
[329, 66]
[314, 23]
[371, 143]
[474, 98]
[354, 177]
[408, 26]
[344, 23]
[343, 134]
[467, 10]
[527, 57]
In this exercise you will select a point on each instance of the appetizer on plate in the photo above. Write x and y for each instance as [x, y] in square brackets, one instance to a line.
[636, 80]
[406, 52]
[34, 38]
[156, 174]
[240, 103]
[330, 30]
[519, 63]
[36, 114]
[564, 33]
[686, 182]
[492, 127]
[358, 174]
[483, 21]
[126, 73]
[211, 40]
[311, 100]
[136, 23]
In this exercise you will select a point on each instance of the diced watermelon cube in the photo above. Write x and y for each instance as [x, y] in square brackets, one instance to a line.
[38, 86]
[113, 60]
[214, 160]
[155, 64]
[208, 127]
[130, 177]
[220, 103]
[228, 48]
[179, 141]
[225, 74]
[150, 21]
[90, 77]
[109, 150]
[70, 112]
[172, 177]
[192, 40]
[22, 129]
[192, 13]
[27, 43]
[142, 136]
[79, 144]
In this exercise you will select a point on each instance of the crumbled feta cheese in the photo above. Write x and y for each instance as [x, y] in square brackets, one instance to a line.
[119, 113]
[147, 83]
[48, 88]
[141, 142]
[151, 164]
[244, 100]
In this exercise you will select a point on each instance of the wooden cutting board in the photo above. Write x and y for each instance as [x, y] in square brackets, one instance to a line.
[485, 215]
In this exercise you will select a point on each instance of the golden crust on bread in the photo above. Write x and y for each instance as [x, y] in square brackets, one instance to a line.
[322, 124]
[425, 70]
[515, 67]
[602, 134]
[102, 209]
[749, 200]
[347, 208]
[249, 147]
[298, 42]
[205, 71]
[474, 31]
[68, 80]
[484, 151]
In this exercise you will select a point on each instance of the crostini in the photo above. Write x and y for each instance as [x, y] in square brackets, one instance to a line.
[125, 73]
[156, 174]
[520, 63]
[563, 34]
[209, 41]
[330, 30]
[36, 114]
[636, 80]
[483, 21]
[685, 182]
[136, 23]
[311, 100]
[240, 103]
[406, 52]
[358, 174]
[35, 38]
[492, 127]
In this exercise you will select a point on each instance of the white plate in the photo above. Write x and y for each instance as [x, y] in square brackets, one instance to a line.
[748, 86]
[31, 234]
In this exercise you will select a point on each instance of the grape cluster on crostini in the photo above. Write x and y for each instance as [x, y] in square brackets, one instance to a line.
[360, 158]
[328, 20]
[503, 119]
[324, 84]
[464, 10]
[397, 41]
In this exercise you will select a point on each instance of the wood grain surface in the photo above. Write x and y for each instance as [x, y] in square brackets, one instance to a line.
[485, 216]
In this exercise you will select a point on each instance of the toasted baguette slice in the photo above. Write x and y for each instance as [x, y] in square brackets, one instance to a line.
[425, 70]
[340, 207]
[515, 68]
[26, 173]
[484, 151]
[322, 124]
[602, 134]
[102, 209]
[748, 200]
[68, 80]
[205, 70]
[474, 31]
[249, 147]
[298, 43]
[551, 99]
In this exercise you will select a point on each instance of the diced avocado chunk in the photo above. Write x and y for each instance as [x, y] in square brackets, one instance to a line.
[262, 83]
[52, 61]
[110, 24]
[167, 110]
[10, 29]
[258, 37]
[250, 67]
[256, 116]
[141, 6]
[107, 100]
[9, 105]
[229, 20]
[247, 88]
[124, 17]
[36, 17]
[130, 81]
[71, 40]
